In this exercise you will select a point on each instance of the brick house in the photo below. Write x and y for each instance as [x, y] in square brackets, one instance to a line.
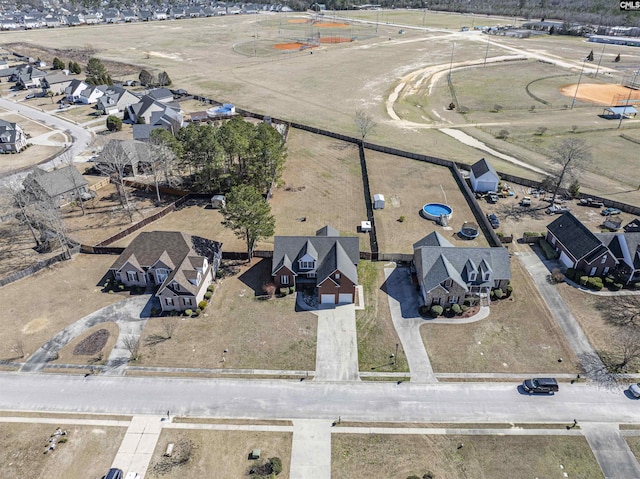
[181, 265]
[578, 247]
[326, 262]
[450, 275]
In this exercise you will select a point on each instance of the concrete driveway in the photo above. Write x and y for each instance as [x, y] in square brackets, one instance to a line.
[337, 349]
[131, 316]
[403, 303]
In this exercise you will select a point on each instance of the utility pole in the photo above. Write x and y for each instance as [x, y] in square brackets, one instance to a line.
[624, 109]
[453, 46]
[598, 67]
[573, 102]
[486, 52]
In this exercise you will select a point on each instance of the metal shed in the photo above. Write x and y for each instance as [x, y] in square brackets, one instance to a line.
[378, 202]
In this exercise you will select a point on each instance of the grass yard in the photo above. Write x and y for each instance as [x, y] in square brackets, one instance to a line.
[88, 452]
[39, 306]
[482, 457]
[519, 336]
[223, 454]
[195, 218]
[377, 337]
[322, 185]
[260, 334]
[407, 185]
[80, 114]
[634, 444]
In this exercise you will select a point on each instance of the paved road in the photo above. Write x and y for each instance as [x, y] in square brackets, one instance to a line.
[337, 350]
[268, 399]
[403, 303]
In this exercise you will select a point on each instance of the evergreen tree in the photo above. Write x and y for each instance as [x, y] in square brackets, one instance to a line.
[97, 73]
[57, 64]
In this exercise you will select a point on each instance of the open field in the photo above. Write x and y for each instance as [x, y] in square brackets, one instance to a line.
[377, 337]
[495, 457]
[257, 333]
[88, 451]
[222, 453]
[519, 336]
[407, 185]
[322, 183]
[65, 293]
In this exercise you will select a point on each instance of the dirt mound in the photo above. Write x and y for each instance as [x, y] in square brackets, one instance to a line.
[92, 344]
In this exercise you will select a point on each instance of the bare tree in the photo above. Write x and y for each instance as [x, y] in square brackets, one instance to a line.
[570, 155]
[621, 310]
[364, 122]
[132, 344]
[115, 163]
[18, 197]
[73, 178]
[169, 325]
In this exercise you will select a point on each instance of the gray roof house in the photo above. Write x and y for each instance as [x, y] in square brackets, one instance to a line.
[181, 266]
[138, 154]
[626, 248]
[483, 177]
[56, 82]
[326, 262]
[451, 275]
[156, 114]
[63, 185]
[12, 138]
[116, 99]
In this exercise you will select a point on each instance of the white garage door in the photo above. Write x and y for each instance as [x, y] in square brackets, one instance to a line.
[566, 260]
[345, 298]
[328, 299]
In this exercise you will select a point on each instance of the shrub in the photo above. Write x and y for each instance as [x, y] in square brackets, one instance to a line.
[402, 219]
[292, 290]
[62, 440]
[456, 309]
[188, 312]
[583, 280]
[548, 250]
[436, 310]
[557, 276]
[413, 477]
[509, 291]
[197, 312]
[424, 310]
[284, 291]
[114, 123]
[492, 295]
[540, 131]
[202, 304]
[502, 135]
[594, 283]
[616, 286]
[498, 293]
[636, 285]
[276, 465]
[211, 288]
[570, 273]
[121, 287]
[208, 295]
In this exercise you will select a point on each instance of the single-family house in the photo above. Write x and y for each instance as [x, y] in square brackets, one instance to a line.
[145, 15]
[116, 99]
[451, 275]
[182, 266]
[149, 112]
[483, 177]
[578, 247]
[129, 16]
[626, 249]
[27, 77]
[159, 15]
[56, 82]
[326, 262]
[138, 155]
[12, 138]
[62, 186]
[163, 95]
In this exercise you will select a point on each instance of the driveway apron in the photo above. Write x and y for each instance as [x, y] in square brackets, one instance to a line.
[611, 451]
[337, 350]
[311, 449]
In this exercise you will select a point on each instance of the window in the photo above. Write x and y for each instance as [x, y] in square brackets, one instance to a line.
[168, 301]
[473, 275]
[284, 279]
[447, 283]
[187, 301]
[307, 264]
[132, 276]
[337, 276]
[435, 301]
[453, 299]
[161, 275]
[486, 276]
[604, 259]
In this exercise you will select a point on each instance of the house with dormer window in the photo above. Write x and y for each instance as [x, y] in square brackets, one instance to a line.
[450, 275]
[179, 265]
[326, 262]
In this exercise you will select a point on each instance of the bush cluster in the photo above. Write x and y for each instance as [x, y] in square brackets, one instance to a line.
[202, 304]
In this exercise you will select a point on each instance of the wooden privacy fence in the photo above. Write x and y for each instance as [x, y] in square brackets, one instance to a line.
[40, 265]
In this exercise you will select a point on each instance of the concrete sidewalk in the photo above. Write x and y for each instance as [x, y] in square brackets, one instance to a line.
[311, 449]
[138, 444]
[611, 451]
[403, 304]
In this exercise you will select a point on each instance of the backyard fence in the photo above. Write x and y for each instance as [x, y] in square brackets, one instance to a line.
[40, 265]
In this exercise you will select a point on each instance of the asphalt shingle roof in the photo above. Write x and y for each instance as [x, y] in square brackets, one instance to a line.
[574, 235]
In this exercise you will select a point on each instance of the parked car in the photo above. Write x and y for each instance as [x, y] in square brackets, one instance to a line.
[525, 201]
[492, 198]
[540, 386]
[610, 212]
[557, 209]
[591, 202]
[114, 473]
[493, 219]
[30, 96]
[634, 389]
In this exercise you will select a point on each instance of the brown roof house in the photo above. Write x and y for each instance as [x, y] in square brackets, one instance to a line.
[450, 275]
[326, 262]
[180, 264]
[578, 247]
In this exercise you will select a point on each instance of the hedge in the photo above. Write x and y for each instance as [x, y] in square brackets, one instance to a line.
[548, 250]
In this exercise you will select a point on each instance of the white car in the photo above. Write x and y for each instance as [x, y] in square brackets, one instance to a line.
[634, 389]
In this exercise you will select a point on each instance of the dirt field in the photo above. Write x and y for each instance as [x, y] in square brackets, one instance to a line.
[607, 95]
[407, 185]
[396, 456]
[88, 451]
[257, 334]
[65, 293]
[322, 184]
[519, 336]
[224, 453]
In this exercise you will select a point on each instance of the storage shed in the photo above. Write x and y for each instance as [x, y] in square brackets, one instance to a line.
[218, 201]
[483, 177]
[378, 202]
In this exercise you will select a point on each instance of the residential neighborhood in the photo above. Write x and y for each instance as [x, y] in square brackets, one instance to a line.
[313, 244]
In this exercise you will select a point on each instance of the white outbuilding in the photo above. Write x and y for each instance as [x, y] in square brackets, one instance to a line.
[217, 201]
[483, 177]
[378, 202]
